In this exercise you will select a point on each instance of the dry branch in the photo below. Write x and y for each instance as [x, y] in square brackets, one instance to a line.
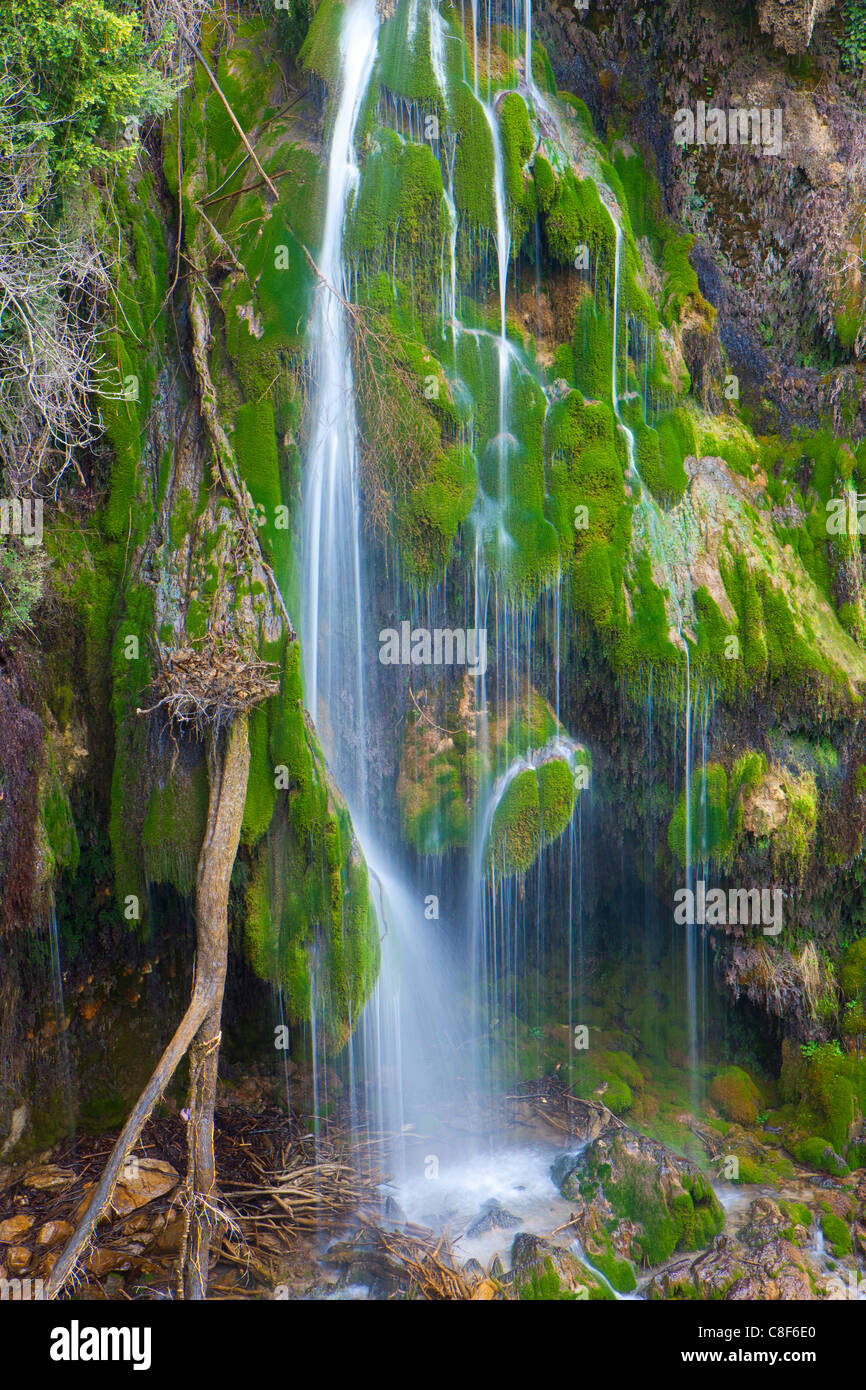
[206, 688]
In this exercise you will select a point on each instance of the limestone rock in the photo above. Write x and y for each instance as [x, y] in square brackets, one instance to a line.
[15, 1226]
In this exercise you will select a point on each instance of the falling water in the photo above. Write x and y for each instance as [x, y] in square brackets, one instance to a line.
[655, 529]
[60, 1017]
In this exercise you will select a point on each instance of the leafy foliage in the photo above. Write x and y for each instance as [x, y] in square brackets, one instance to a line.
[82, 74]
[853, 42]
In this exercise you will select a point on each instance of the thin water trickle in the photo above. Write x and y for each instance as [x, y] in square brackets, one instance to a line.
[65, 1063]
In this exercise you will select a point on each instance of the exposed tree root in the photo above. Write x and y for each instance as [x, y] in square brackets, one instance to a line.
[229, 769]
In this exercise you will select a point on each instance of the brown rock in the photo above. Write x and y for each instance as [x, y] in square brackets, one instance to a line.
[17, 1258]
[15, 1226]
[168, 1240]
[105, 1259]
[53, 1232]
[48, 1177]
[143, 1181]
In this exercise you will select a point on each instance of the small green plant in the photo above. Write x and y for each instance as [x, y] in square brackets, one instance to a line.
[853, 42]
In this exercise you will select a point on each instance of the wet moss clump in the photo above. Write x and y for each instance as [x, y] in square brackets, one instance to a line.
[517, 147]
[555, 798]
[736, 1095]
[515, 833]
[534, 810]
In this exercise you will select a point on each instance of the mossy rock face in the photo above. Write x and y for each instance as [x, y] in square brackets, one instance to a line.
[709, 831]
[827, 1087]
[736, 1095]
[852, 971]
[662, 1203]
[174, 827]
[434, 815]
[543, 1271]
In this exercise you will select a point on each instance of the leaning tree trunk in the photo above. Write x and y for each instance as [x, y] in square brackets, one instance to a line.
[199, 1027]
[228, 793]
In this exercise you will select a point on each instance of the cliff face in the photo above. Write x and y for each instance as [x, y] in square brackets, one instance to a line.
[790, 23]
[700, 302]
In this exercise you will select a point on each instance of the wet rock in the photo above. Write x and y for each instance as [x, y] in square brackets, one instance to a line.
[493, 1217]
[168, 1239]
[106, 1259]
[530, 1255]
[636, 1201]
[52, 1233]
[17, 1259]
[48, 1177]
[142, 1181]
[735, 1272]
[394, 1212]
[15, 1226]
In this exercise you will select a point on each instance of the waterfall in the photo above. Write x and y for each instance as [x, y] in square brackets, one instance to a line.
[332, 619]
[648, 509]
[406, 1029]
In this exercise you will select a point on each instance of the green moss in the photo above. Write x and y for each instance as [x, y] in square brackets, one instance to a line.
[710, 833]
[473, 160]
[686, 1222]
[736, 1095]
[320, 51]
[545, 183]
[515, 832]
[59, 825]
[429, 518]
[405, 65]
[670, 246]
[517, 147]
[619, 1273]
[544, 1287]
[555, 797]
[852, 971]
[174, 827]
[593, 348]
[261, 791]
[792, 845]
[836, 1234]
[577, 217]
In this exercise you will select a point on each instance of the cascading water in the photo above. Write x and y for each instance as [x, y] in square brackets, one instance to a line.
[647, 509]
[417, 1057]
[406, 1025]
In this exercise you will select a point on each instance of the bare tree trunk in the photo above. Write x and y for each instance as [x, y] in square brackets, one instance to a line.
[228, 794]
[202, 1019]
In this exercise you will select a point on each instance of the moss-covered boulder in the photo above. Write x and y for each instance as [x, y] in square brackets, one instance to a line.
[736, 1095]
[661, 1202]
[534, 809]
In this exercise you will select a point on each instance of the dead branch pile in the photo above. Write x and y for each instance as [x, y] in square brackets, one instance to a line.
[204, 689]
[417, 1262]
[552, 1101]
[315, 1189]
